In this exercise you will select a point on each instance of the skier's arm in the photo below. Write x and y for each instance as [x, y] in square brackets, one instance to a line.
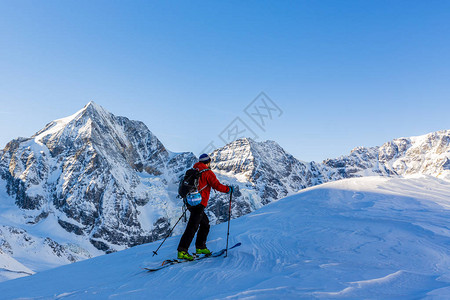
[215, 184]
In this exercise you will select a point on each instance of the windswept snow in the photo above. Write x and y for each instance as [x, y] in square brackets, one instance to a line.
[359, 238]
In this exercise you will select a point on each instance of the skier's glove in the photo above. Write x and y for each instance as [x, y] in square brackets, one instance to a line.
[232, 189]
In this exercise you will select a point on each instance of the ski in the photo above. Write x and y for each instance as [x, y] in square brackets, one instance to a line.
[170, 262]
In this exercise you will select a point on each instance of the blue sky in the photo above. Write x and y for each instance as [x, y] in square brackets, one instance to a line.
[343, 73]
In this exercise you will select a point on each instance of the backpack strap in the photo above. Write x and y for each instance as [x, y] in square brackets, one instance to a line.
[201, 172]
[204, 170]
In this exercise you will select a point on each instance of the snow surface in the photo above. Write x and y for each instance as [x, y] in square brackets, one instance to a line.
[11, 268]
[374, 237]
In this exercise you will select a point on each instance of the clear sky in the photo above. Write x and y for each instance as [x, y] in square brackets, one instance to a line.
[341, 73]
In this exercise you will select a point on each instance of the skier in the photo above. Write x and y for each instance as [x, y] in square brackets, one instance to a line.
[198, 220]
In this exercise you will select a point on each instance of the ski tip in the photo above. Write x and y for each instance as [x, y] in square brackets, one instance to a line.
[148, 269]
[237, 245]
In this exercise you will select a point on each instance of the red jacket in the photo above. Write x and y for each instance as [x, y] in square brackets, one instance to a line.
[207, 181]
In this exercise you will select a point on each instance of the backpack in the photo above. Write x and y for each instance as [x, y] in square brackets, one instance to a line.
[188, 187]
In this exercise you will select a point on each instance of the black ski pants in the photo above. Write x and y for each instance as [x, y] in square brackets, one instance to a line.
[197, 221]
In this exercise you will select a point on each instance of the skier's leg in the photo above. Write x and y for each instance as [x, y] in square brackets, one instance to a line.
[191, 228]
[202, 233]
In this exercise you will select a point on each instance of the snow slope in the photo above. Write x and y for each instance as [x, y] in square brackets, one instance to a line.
[11, 268]
[373, 237]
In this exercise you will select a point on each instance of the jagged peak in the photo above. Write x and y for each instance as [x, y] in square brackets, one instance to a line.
[250, 144]
[422, 137]
[94, 107]
[91, 110]
[360, 149]
[92, 104]
[243, 143]
[251, 147]
[247, 153]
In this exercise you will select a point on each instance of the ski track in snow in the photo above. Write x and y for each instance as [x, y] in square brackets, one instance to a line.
[364, 238]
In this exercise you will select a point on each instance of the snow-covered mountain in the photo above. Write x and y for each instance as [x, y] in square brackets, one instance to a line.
[263, 171]
[111, 182]
[274, 172]
[427, 154]
[270, 173]
[96, 175]
[95, 183]
[358, 238]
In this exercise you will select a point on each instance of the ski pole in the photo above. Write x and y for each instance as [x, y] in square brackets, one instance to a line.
[156, 252]
[229, 219]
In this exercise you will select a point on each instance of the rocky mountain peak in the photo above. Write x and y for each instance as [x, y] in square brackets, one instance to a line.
[245, 156]
[236, 158]
[93, 106]
[426, 154]
[93, 170]
[90, 125]
[266, 165]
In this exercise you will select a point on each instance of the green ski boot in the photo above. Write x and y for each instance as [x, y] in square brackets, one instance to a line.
[203, 251]
[185, 255]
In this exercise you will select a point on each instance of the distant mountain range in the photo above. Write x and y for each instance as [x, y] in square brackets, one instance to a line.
[96, 183]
